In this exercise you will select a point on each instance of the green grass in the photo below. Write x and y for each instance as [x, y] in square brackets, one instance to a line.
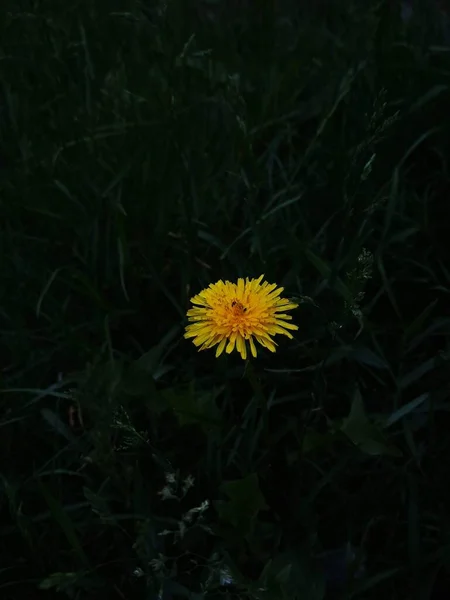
[149, 150]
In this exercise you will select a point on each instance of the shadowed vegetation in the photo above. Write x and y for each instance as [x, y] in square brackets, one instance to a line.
[149, 149]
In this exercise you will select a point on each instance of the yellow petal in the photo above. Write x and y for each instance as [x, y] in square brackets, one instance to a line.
[273, 329]
[286, 305]
[287, 325]
[220, 347]
[240, 289]
[231, 342]
[242, 348]
[266, 342]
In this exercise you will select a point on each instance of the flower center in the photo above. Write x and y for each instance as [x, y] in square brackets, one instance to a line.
[238, 309]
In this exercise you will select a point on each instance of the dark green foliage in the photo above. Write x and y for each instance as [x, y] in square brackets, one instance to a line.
[148, 149]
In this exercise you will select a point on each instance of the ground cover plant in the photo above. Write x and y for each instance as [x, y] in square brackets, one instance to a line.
[149, 150]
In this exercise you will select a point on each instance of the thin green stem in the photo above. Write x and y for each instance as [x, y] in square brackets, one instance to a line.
[261, 400]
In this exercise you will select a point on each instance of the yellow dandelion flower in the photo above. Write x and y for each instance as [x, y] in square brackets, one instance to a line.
[231, 314]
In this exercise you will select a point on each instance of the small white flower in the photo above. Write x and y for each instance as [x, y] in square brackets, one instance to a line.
[182, 528]
[225, 577]
[165, 532]
[171, 478]
[188, 483]
[197, 510]
[157, 564]
[166, 493]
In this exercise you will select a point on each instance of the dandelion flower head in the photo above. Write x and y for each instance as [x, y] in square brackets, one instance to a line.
[230, 315]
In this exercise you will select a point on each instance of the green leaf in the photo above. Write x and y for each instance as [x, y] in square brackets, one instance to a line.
[150, 361]
[173, 588]
[418, 325]
[406, 409]
[359, 354]
[45, 290]
[290, 575]
[71, 583]
[433, 93]
[411, 377]
[365, 356]
[370, 582]
[245, 502]
[65, 523]
[99, 505]
[60, 581]
[58, 425]
[140, 384]
[192, 407]
[313, 440]
[363, 433]
[326, 273]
